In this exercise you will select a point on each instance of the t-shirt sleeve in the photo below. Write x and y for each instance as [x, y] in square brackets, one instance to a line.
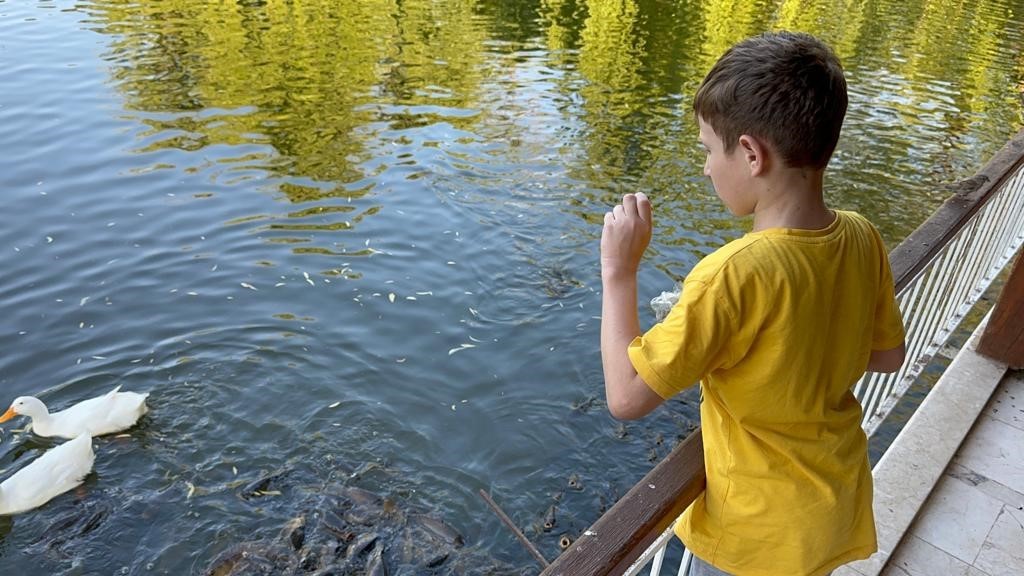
[689, 343]
[888, 328]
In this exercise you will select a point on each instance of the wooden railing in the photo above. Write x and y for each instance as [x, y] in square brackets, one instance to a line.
[625, 532]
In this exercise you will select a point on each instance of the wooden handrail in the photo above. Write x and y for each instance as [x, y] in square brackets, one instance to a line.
[618, 538]
[918, 249]
[629, 527]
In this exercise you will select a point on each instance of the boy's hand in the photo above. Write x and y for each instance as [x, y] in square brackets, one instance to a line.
[626, 234]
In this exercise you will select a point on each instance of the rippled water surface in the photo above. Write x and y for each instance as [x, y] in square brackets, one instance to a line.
[355, 242]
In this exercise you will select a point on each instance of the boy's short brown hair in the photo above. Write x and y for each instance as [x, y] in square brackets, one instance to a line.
[783, 87]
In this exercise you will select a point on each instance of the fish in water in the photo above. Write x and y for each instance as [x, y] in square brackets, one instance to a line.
[375, 565]
[294, 532]
[262, 486]
[346, 530]
[549, 518]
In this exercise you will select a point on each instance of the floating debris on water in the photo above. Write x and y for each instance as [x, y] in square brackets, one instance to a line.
[263, 485]
[460, 348]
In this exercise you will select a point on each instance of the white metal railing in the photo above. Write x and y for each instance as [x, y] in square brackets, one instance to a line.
[935, 301]
[932, 304]
[654, 556]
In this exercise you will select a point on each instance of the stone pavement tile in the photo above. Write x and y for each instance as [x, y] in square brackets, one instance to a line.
[868, 567]
[956, 518]
[994, 489]
[995, 450]
[1003, 551]
[1007, 404]
[846, 570]
[916, 557]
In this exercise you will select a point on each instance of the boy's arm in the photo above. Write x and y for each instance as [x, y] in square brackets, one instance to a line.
[886, 355]
[626, 233]
[887, 360]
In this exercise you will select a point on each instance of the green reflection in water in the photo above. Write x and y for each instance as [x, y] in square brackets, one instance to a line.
[329, 101]
[324, 121]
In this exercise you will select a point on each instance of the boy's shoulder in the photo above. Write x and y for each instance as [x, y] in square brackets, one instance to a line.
[710, 267]
[754, 250]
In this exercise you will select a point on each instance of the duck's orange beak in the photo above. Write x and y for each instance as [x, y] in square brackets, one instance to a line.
[8, 415]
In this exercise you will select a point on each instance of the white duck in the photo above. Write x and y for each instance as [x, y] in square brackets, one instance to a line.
[113, 412]
[58, 470]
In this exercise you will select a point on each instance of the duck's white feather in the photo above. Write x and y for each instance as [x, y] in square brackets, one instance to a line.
[113, 412]
[58, 470]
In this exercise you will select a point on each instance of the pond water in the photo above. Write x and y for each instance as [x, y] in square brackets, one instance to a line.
[356, 242]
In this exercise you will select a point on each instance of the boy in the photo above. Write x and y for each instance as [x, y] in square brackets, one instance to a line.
[777, 325]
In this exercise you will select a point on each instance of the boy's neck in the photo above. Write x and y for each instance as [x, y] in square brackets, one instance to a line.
[792, 198]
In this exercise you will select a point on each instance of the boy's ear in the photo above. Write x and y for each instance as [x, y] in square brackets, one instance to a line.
[756, 153]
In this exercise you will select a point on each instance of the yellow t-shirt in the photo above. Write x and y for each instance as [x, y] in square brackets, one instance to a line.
[778, 325]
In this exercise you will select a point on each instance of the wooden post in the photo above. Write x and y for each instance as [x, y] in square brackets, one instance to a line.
[1003, 339]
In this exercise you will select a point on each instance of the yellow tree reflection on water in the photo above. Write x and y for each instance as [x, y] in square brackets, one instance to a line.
[311, 96]
[297, 87]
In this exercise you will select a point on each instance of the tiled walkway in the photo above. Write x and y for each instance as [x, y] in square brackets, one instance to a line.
[973, 521]
[949, 491]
